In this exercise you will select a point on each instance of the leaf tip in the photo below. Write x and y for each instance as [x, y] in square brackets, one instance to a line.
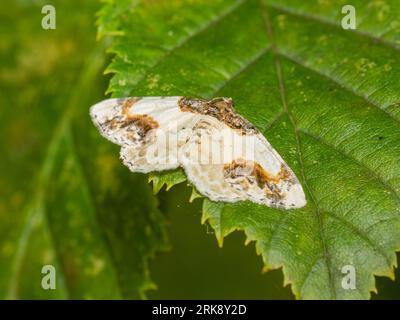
[220, 240]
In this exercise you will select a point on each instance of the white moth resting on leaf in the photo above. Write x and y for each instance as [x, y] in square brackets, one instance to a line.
[223, 155]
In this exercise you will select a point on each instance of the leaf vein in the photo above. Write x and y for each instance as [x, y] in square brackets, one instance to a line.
[326, 21]
[200, 30]
[354, 160]
[298, 145]
[342, 85]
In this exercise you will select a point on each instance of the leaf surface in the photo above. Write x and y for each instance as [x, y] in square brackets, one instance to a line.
[327, 99]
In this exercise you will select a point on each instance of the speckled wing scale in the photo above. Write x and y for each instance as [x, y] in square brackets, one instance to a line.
[223, 155]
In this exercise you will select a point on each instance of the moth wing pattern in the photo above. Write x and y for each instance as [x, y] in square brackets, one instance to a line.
[251, 169]
[223, 155]
[134, 124]
[202, 169]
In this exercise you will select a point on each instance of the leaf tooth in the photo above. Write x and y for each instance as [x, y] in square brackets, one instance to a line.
[194, 195]
[156, 184]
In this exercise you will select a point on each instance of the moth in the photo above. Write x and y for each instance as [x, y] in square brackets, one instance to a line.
[222, 154]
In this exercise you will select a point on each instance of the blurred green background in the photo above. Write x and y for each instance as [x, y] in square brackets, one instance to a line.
[51, 156]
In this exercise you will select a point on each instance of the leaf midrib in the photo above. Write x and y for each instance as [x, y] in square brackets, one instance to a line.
[279, 73]
[93, 67]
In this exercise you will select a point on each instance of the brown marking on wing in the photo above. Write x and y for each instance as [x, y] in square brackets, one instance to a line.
[127, 104]
[143, 122]
[250, 172]
[137, 125]
[243, 167]
[111, 124]
[221, 109]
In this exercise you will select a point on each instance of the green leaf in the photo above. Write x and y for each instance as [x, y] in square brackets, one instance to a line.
[168, 178]
[328, 100]
[68, 201]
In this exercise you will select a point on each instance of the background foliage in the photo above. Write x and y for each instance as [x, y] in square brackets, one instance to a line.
[327, 99]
